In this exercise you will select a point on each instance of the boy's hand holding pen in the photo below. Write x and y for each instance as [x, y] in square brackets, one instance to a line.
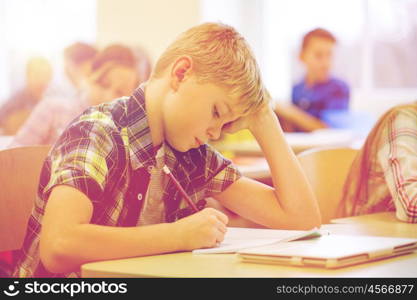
[203, 229]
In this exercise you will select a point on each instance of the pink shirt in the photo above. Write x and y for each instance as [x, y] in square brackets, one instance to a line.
[48, 120]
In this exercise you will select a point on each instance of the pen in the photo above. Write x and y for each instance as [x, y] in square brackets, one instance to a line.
[183, 193]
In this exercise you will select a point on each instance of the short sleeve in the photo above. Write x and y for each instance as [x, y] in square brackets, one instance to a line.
[220, 172]
[339, 98]
[295, 93]
[79, 159]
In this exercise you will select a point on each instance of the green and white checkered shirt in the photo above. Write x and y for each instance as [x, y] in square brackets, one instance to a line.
[104, 154]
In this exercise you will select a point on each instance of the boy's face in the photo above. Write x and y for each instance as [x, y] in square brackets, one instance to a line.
[77, 73]
[317, 57]
[111, 84]
[193, 113]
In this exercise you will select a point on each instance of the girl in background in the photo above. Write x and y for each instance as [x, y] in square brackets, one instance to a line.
[383, 177]
[113, 75]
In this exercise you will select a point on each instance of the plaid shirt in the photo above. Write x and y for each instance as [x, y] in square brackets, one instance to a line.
[102, 153]
[392, 183]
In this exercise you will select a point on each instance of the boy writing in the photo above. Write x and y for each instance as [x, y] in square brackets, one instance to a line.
[103, 194]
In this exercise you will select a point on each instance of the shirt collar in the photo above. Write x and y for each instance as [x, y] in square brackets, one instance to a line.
[141, 150]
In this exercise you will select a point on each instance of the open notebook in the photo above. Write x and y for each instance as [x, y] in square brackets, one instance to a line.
[246, 238]
[330, 251]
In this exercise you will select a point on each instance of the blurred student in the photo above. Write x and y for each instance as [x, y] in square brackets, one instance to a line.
[19, 106]
[318, 94]
[78, 58]
[113, 74]
[144, 65]
[319, 91]
[118, 74]
[103, 193]
[383, 177]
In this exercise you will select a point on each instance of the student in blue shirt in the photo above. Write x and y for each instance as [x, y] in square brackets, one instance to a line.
[318, 93]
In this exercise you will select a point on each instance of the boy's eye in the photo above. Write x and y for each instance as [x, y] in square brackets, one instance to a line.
[215, 112]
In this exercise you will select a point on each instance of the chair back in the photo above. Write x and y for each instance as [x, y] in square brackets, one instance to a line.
[19, 177]
[327, 169]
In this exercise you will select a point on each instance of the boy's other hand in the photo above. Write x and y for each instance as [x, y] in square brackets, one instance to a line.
[203, 229]
[248, 121]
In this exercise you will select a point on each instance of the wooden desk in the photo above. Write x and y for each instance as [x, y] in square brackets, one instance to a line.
[253, 167]
[256, 166]
[298, 141]
[379, 224]
[383, 217]
[185, 264]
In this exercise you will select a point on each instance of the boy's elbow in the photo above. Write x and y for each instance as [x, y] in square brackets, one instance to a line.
[309, 221]
[313, 223]
[54, 257]
[307, 224]
[409, 215]
[316, 220]
[298, 222]
[412, 211]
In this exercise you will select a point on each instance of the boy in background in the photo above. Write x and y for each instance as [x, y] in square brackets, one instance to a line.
[113, 74]
[78, 59]
[318, 92]
[103, 193]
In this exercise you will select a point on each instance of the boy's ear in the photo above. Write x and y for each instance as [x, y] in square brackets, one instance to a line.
[181, 70]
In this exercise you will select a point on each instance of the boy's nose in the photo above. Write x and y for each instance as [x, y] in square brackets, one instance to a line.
[214, 132]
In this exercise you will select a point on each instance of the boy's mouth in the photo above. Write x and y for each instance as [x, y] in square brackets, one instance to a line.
[199, 143]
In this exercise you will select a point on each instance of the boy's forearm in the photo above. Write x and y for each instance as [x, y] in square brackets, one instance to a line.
[88, 242]
[291, 186]
[301, 119]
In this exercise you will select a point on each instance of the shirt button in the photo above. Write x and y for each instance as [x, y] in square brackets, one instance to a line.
[140, 196]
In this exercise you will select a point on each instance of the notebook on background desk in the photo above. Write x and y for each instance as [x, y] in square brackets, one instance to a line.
[329, 251]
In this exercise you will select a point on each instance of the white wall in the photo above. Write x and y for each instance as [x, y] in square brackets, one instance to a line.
[152, 24]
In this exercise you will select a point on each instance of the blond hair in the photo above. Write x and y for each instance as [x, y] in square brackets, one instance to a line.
[220, 56]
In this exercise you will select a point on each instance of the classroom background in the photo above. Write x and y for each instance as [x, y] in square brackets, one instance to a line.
[375, 55]
[377, 39]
